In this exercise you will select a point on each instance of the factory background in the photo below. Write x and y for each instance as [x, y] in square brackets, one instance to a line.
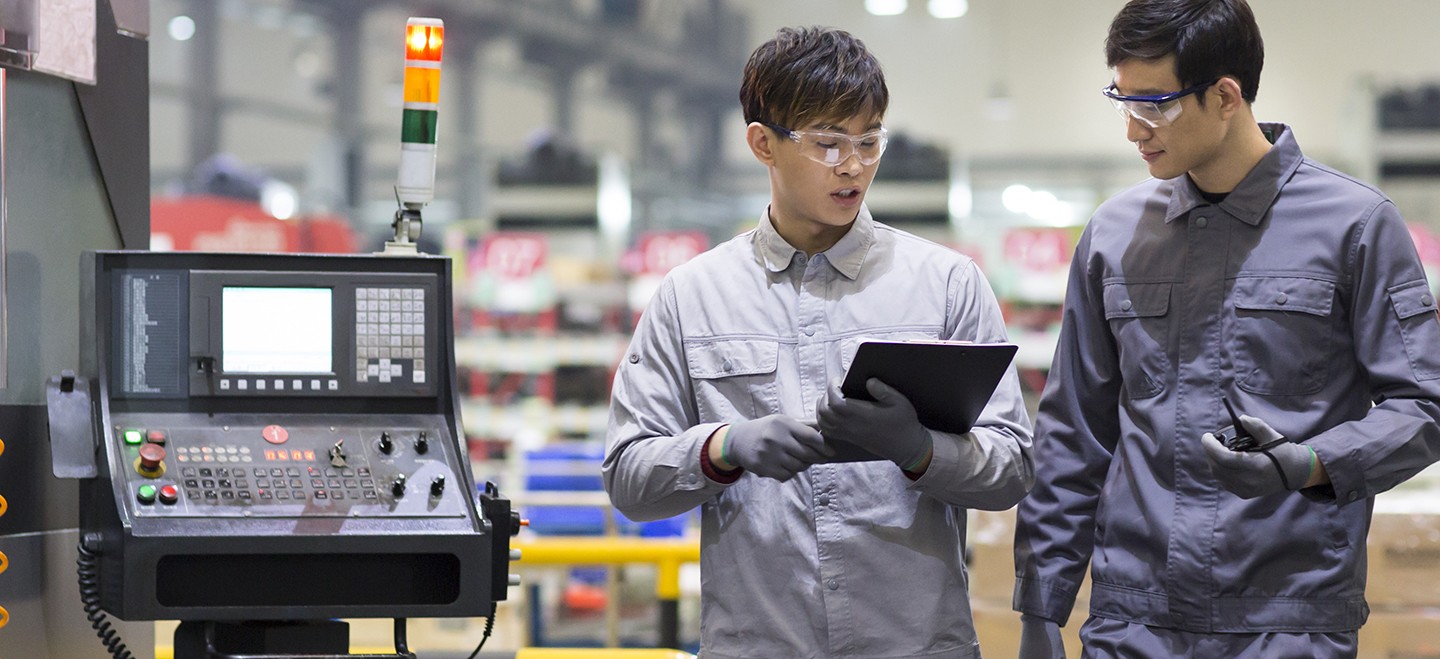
[585, 147]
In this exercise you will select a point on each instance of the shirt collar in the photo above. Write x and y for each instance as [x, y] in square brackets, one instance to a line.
[1250, 200]
[846, 256]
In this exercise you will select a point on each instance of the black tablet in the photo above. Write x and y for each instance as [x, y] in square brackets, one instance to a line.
[948, 382]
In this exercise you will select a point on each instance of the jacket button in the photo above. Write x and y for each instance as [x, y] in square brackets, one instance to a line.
[1282, 298]
[1125, 305]
[1426, 300]
[727, 366]
[1201, 222]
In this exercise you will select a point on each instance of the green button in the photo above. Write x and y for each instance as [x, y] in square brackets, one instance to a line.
[134, 437]
[146, 494]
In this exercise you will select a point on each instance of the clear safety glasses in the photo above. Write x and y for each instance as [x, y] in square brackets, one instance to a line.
[1155, 111]
[831, 149]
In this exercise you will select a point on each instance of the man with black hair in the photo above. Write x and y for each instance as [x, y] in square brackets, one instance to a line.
[1243, 275]
[730, 381]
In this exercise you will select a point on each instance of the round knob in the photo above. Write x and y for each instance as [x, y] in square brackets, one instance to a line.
[422, 444]
[437, 485]
[397, 487]
[386, 446]
[152, 460]
[169, 494]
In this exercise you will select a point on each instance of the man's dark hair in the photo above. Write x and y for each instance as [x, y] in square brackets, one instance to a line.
[1209, 38]
[810, 73]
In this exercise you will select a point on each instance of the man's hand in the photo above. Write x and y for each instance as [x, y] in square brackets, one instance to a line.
[1040, 638]
[1250, 474]
[775, 446]
[886, 426]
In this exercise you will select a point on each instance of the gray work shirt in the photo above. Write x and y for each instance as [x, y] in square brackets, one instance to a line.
[1300, 298]
[844, 560]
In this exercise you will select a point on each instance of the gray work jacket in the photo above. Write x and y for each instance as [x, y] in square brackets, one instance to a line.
[1300, 298]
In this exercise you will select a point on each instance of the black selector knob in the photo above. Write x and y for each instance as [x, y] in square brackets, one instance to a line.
[386, 446]
[397, 486]
[422, 444]
[437, 485]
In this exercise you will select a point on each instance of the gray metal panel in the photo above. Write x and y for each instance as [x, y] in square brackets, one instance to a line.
[56, 207]
[116, 113]
[42, 595]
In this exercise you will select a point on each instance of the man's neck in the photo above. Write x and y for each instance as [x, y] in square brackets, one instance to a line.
[811, 238]
[1244, 147]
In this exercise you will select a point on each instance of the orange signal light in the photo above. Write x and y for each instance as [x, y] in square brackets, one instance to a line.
[424, 42]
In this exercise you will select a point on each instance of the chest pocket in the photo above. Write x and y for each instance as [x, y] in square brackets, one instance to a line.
[1139, 317]
[1283, 334]
[1415, 310]
[733, 379]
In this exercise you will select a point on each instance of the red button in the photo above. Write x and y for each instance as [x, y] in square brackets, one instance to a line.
[156, 437]
[275, 434]
[168, 494]
[151, 455]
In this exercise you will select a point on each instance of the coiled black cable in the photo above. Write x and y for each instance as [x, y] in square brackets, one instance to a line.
[88, 570]
[489, 626]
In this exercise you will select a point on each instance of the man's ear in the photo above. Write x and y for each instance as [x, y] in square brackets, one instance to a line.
[1231, 100]
[762, 143]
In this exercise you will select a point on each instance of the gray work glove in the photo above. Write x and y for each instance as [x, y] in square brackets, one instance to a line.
[886, 426]
[1250, 474]
[775, 446]
[1040, 638]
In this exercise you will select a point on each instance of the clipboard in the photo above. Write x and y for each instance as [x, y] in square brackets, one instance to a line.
[948, 382]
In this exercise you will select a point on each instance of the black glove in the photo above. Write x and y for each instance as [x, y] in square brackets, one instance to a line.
[1040, 638]
[1250, 474]
[775, 446]
[886, 426]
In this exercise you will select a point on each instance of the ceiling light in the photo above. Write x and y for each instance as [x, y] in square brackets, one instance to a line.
[885, 7]
[948, 8]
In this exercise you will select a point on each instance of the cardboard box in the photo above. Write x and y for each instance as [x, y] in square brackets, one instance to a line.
[1404, 555]
[1412, 634]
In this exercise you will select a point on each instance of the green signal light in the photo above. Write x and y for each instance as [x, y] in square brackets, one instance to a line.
[133, 437]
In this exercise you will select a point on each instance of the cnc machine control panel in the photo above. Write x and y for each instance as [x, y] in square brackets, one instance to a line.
[278, 436]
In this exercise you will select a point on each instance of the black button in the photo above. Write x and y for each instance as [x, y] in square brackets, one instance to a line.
[296, 483]
[259, 471]
[187, 471]
[212, 494]
[265, 494]
[191, 482]
[354, 495]
[320, 494]
[205, 471]
[192, 494]
[264, 482]
[363, 471]
[227, 494]
[350, 482]
[207, 483]
[277, 472]
[244, 495]
[244, 482]
[292, 472]
[282, 494]
[225, 482]
[347, 472]
[370, 494]
[334, 483]
[365, 482]
[299, 495]
[317, 483]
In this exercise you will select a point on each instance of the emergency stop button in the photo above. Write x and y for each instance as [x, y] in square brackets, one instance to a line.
[151, 463]
[275, 434]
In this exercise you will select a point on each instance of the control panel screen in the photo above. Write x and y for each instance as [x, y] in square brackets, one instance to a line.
[276, 330]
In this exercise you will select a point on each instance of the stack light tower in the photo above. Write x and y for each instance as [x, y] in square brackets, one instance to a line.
[415, 187]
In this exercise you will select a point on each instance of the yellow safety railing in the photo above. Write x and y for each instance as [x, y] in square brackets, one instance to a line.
[666, 554]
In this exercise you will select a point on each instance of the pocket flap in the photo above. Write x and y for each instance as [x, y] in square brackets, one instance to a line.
[1136, 300]
[723, 359]
[1312, 296]
[1412, 299]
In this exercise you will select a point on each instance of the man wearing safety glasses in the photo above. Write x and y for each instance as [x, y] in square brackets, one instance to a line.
[1243, 276]
[727, 398]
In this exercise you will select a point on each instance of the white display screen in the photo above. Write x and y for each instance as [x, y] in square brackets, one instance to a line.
[276, 330]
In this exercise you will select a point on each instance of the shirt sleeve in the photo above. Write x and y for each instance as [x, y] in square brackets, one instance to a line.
[652, 464]
[1076, 430]
[1397, 341]
[991, 467]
